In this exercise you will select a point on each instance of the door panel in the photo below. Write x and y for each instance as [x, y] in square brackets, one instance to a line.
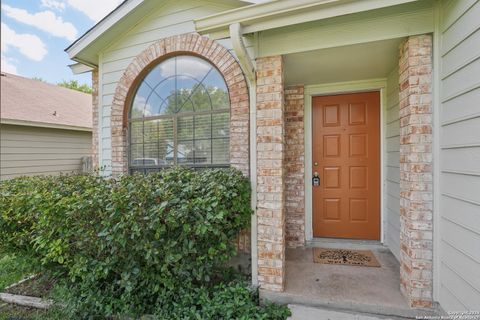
[346, 157]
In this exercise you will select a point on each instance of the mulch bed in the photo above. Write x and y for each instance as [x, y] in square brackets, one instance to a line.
[38, 286]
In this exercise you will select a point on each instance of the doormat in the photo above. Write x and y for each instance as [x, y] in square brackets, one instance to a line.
[363, 258]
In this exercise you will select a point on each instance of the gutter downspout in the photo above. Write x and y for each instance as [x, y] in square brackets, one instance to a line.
[241, 51]
[248, 67]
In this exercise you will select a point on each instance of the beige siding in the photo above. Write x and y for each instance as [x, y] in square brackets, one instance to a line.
[392, 170]
[172, 18]
[459, 245]
[26, 150]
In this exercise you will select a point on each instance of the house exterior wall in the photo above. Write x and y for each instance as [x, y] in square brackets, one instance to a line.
[170, 19]
[416, 174]
[27, 150]
[392, 166]
[409, 173]
[459, 157]
[294, 166]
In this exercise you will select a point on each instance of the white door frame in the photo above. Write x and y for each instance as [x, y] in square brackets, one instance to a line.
[340, 88]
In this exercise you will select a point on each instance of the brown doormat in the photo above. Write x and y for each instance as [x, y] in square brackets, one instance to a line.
[363, 258]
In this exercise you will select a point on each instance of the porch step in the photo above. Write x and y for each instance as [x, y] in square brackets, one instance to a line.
[306, 306]
[300, 312]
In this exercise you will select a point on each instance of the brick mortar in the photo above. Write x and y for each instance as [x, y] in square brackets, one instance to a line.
[416, 177]
[294, 166]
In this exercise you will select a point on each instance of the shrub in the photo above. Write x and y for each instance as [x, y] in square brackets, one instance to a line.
[19, 200]
[231, 300]
[223, 301]
[38, 215]
[137, 245]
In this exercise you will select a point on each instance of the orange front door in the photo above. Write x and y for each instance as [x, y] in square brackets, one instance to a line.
[346, 159]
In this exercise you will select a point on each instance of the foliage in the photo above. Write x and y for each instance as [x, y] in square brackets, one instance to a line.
[14, 268]
[223, 301]
[71, 84]
[231, 300]
[74, 85]
[138, 245]
[39, 79]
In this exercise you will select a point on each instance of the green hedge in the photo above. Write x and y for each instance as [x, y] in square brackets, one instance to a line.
[129, 245]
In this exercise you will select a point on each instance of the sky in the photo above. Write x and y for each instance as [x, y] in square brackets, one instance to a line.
[35, 33]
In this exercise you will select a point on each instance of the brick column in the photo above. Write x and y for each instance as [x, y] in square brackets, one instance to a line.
[270, 174]
[294, 166]
[95, 124]
[416, 196]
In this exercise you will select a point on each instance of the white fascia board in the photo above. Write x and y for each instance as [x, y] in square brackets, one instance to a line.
[43, 125]
[275, 14]
[79, 68]
[101, 27]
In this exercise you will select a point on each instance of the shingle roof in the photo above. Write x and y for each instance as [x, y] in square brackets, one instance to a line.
[29, 100]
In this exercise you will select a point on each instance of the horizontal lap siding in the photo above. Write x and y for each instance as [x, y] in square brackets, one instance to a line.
[171, 18]
[392, 172]
[29, 150]
[460, 156]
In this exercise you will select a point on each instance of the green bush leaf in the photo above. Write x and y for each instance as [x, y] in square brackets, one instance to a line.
[140, 244]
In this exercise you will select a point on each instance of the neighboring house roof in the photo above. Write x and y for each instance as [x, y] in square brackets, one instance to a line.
[84, 50]
[35, 103]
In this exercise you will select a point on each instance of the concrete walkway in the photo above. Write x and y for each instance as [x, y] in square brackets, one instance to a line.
[308, 313]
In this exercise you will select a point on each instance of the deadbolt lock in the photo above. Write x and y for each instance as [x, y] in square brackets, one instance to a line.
[315, 179]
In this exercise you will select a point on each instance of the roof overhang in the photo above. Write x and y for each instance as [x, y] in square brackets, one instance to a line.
[86, 48]
[275, 14]
[78, 68]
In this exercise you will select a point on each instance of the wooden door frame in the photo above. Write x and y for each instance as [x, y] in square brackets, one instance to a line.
[311, 91]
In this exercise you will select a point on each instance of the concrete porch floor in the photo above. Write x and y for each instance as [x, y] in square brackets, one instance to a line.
[369, 290]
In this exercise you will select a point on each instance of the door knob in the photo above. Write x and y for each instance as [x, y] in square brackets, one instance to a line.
[315, 163]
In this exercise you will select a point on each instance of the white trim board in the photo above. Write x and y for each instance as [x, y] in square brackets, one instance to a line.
[340, 88]
[16, 122]
[101, 27]
[437, 109]
[362, 27]
[274, 14]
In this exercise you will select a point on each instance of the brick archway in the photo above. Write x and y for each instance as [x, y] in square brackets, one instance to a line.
[196, 45]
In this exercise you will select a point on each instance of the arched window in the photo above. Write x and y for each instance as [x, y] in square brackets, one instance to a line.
[180, 115]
